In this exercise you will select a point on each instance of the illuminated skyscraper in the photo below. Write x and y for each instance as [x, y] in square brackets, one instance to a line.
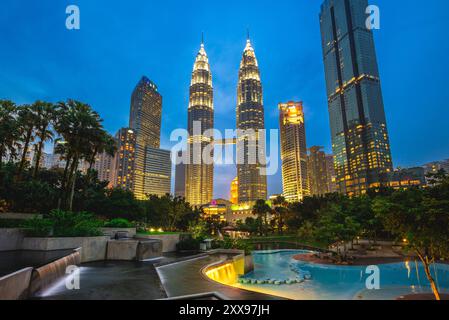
[200, 173]
[250, 116]
[123, 165]
[234, 192]
[104, 166]
[157, 178]
[149, 175]
[146, 113]
[293, 151]
[331, 177]
[360, 140]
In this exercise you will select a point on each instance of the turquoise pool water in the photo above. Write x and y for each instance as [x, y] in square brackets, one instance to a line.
[340, 282]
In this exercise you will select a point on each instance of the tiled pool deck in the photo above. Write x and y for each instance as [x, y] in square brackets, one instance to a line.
[185, 278]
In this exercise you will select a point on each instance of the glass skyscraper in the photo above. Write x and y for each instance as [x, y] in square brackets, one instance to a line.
[200, 174]
[360, 139]
[295, 181]
[145, 121]
[250, 116]
[317, 171]
[123, 166]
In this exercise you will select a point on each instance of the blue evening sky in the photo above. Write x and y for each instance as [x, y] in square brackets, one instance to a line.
[120, 41]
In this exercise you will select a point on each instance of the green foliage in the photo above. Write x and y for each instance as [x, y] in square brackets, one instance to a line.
[261, 209]
[228, 243]
[64, 224]
[198, 230]
[38, 227]
[11, 223]
[119, 223]
[188, 244]
[251, 225]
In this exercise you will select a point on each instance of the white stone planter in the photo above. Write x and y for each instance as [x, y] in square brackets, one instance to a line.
[110, 232]
[11, 239]
[169, 241]
[92, 248]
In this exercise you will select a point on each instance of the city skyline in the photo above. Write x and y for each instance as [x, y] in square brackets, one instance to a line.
[113, 105]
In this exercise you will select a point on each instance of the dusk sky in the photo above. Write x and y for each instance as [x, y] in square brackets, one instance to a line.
[119, 41]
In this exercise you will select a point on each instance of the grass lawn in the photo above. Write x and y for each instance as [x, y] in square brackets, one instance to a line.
[156, 233]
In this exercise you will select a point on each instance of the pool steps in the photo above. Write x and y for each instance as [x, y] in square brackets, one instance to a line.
[302, 276]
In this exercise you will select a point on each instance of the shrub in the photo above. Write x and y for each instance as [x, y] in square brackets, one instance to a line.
[119, 223]
[64, 224]
[229, 243]
[188, 244]
[38, 227]
[11, 223]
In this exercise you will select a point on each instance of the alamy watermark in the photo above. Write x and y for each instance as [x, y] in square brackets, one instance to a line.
[72, 281]
[73, 20]
[373, 20]
[235, 147]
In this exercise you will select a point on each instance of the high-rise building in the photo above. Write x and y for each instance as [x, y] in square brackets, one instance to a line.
[250, 117]
[146, 113]
[293, 151]
[124, 160]
[234, 192]
[331, 177]
[360, 139]
[180, 178]
[317, 171]
[200, 171]
[145, 121]
[104, 167]
[157, 172]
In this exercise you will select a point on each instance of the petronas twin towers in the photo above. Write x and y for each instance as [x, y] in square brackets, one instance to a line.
[250, 116]
[200, 175]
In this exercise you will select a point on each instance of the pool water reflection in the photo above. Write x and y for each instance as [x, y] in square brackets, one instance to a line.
[330, 282]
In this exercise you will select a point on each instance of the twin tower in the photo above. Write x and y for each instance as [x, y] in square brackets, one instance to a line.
[252, 185]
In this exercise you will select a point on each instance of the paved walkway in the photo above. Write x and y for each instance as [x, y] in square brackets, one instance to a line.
[185, 278]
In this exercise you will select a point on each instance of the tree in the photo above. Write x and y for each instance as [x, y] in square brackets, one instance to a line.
[27, 120]
[261, 209]
[45, 115]
[9, 132]
[78, 125]
[280, 210]
[336, 225]
[420, 217]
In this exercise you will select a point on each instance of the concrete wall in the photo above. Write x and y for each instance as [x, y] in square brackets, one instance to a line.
[110, 232]
[149, 249]
[169, 241]
[92, 248]
[122, 250]
[11, 239]
[19, 216]
[15, 285]
[130, 250]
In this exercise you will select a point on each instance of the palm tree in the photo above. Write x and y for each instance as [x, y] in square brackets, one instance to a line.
[261, 210]
[78, 125]
[280, 209]
[27, 120]
[45, 117]
[9, 132]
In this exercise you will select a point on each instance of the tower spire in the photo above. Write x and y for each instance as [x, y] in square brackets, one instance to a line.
[202, 38]
[247, 35]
